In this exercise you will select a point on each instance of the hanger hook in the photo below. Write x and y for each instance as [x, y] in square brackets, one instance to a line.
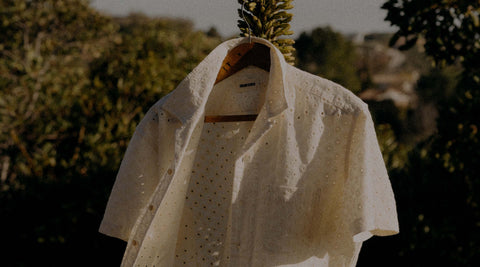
[248, 25]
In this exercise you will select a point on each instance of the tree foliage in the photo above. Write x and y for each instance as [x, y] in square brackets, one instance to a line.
[437, 194]
[327, 53]
[270, 20]
[450, 27]
[45, 51]
[76, 81]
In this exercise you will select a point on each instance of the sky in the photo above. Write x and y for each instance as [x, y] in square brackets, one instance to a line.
[346, 16]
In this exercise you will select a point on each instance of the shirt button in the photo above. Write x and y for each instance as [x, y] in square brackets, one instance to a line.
[150, 207]
[134, 242]
[169, 171]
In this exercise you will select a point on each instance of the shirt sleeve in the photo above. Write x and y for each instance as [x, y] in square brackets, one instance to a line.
[369, 200]
[135, 181]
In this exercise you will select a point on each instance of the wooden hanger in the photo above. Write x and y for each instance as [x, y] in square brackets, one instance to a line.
[244, 55]
[241, 56]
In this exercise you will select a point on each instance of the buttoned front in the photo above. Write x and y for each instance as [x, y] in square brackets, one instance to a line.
[302, 185]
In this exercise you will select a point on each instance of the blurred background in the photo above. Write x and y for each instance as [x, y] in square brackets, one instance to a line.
[76, 77]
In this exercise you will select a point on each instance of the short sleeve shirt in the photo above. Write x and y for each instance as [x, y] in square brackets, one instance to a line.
[302, 185]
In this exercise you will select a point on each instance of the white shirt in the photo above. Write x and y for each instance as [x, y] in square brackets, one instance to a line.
[302, 185]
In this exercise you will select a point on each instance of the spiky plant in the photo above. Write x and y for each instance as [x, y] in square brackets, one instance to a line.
[268, 19]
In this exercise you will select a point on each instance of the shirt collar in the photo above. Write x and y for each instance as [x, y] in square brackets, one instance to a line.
[187, 102]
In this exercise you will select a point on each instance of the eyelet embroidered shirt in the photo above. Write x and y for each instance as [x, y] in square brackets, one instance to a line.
[302, 185]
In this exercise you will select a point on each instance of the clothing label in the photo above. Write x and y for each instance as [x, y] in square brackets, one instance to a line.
[247, 85]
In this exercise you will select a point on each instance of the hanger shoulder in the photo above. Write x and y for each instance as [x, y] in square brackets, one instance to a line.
[244, 55]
